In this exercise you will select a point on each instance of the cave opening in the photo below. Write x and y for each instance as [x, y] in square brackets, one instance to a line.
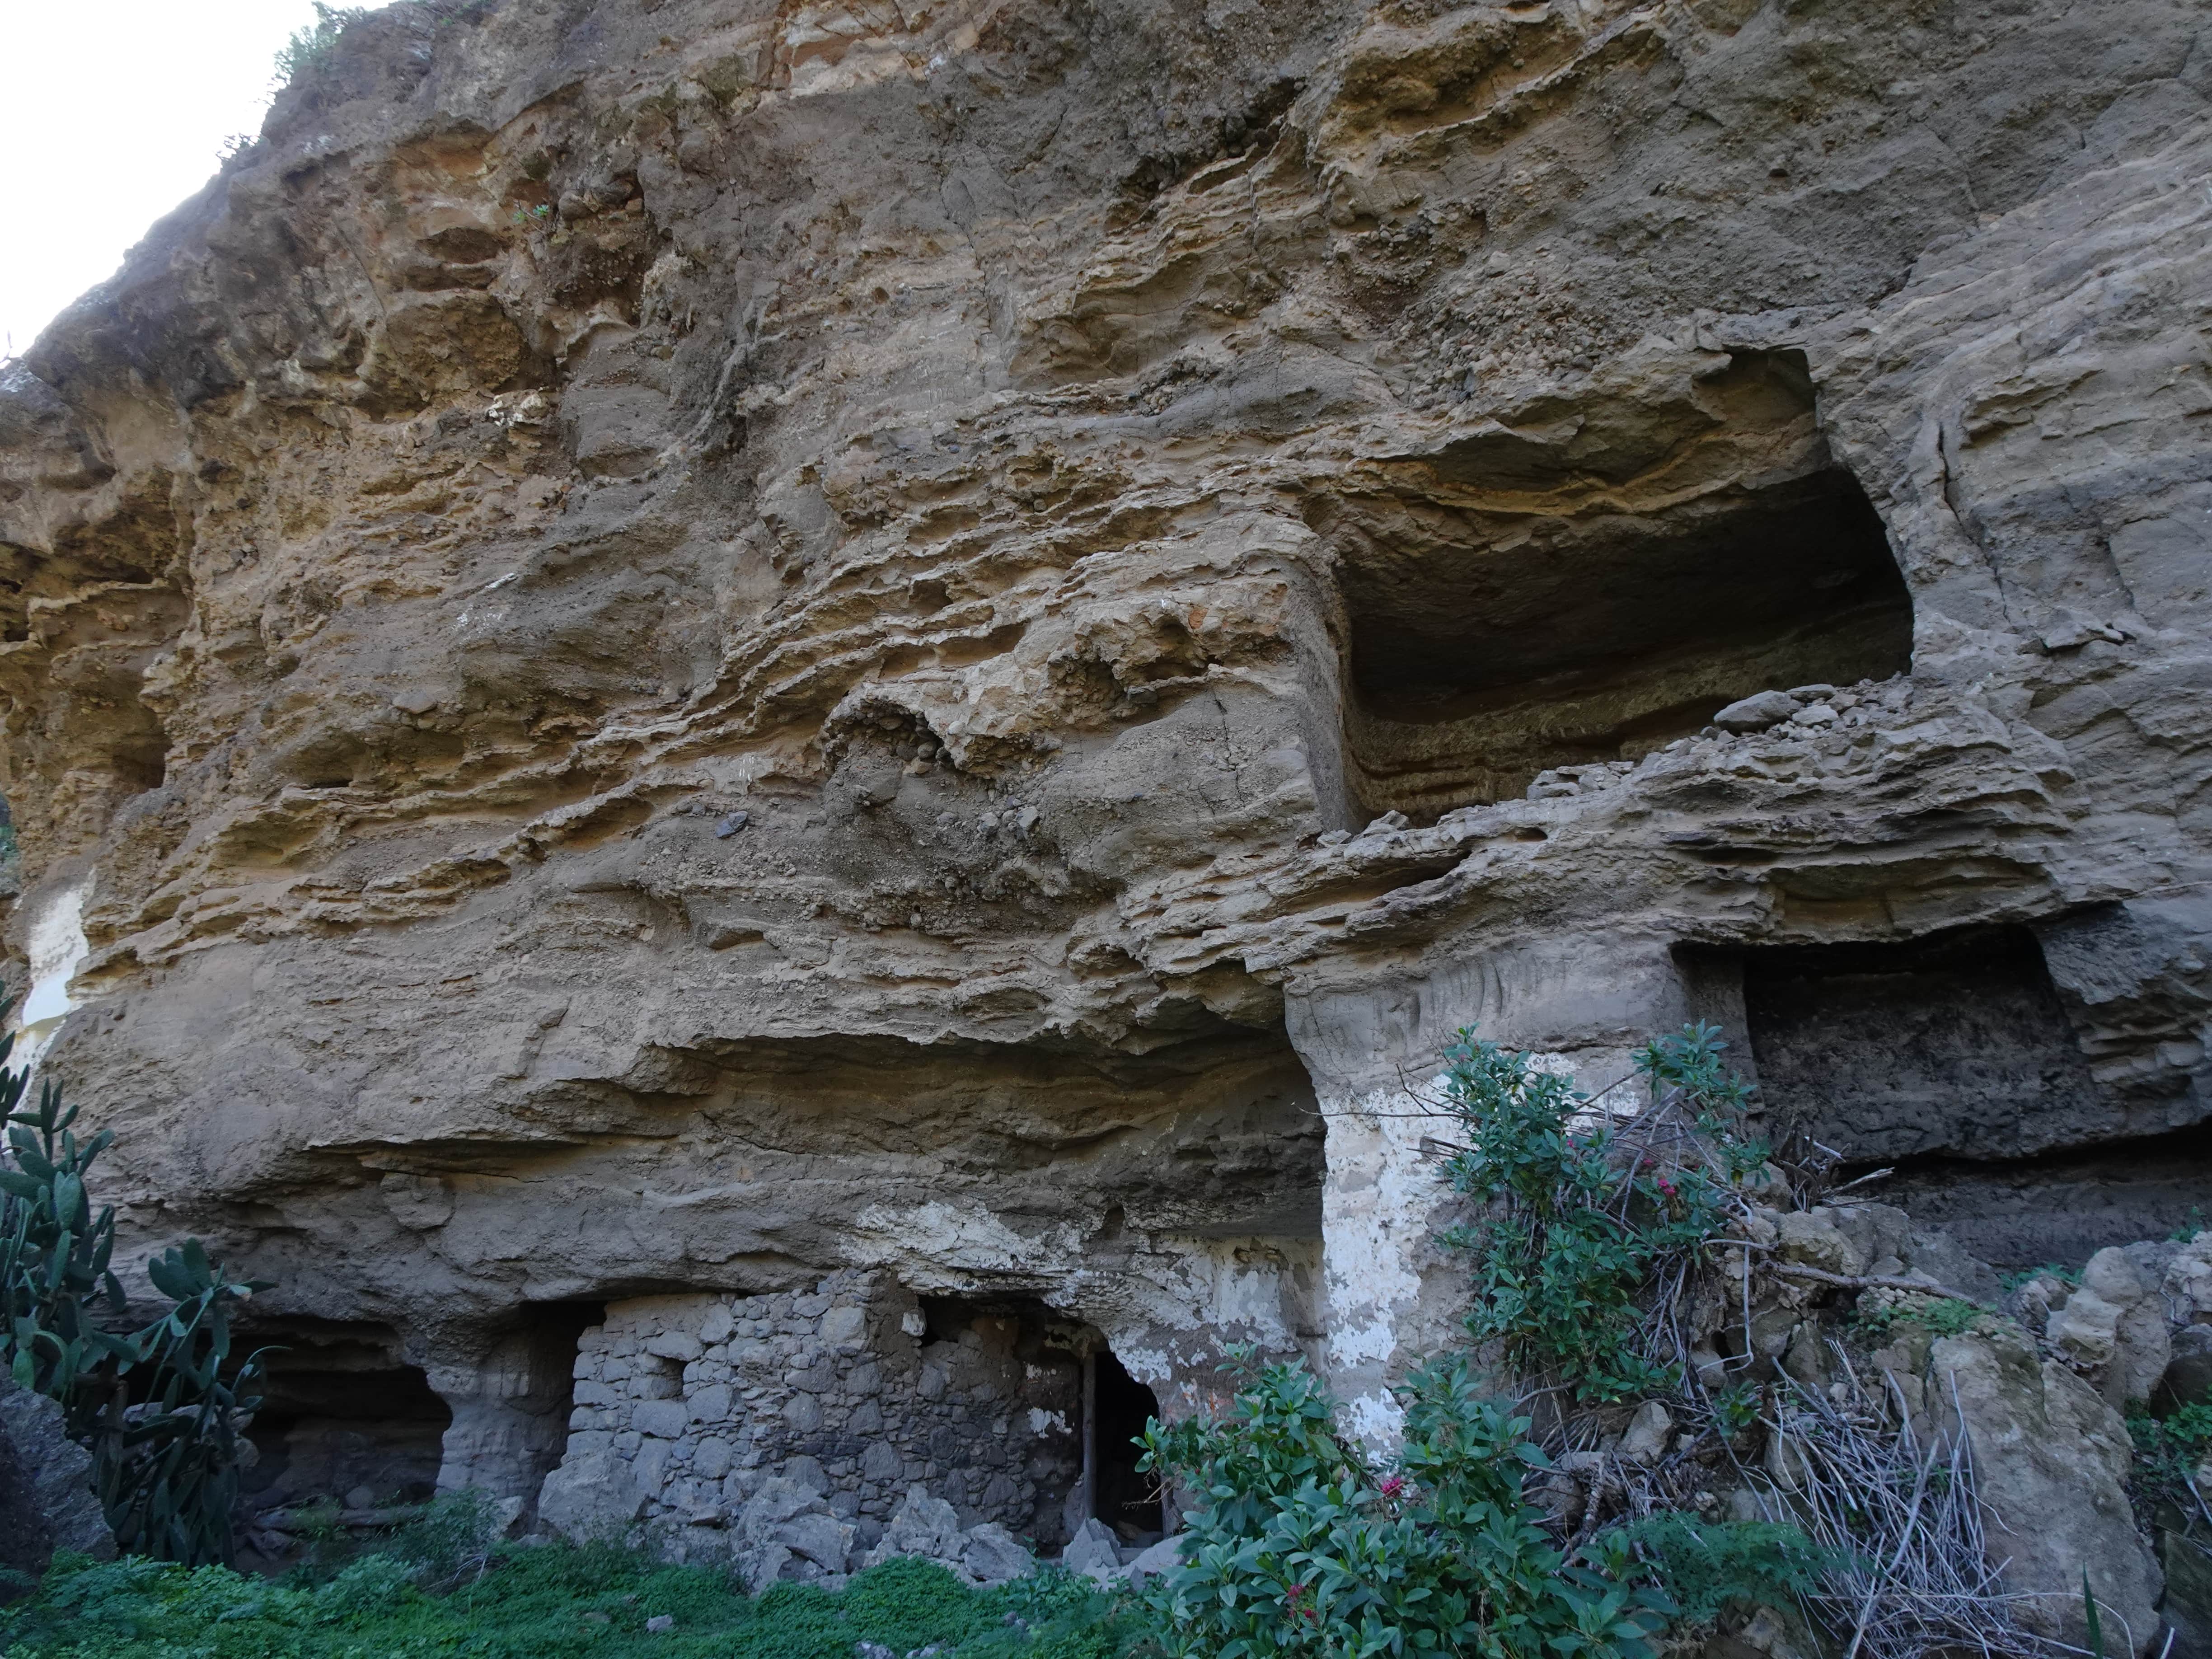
[1954, 1044]
[1011, 1356]
[509, 1429]
[1949, 1061]
[343, 1418]
[1589, 589]
[1123, 1495]
[1474, 668]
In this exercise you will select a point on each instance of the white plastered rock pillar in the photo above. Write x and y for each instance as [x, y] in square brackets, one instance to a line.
[1371, 1036]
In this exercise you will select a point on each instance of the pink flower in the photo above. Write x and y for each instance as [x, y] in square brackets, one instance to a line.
[1393, 1485]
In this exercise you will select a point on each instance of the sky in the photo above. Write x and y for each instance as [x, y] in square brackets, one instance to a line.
[112, 115]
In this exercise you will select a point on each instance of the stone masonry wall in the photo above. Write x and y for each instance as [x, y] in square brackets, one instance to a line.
[685, 1404]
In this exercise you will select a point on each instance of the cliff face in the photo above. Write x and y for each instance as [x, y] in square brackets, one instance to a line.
[676, 647]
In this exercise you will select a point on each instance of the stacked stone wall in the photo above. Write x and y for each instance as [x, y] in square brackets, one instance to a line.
[685, 1404]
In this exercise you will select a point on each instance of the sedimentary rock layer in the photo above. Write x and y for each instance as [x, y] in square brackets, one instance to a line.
[670, 648]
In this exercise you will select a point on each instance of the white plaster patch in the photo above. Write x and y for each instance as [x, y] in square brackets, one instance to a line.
[1146, 1364]
[1375, 1209]
[1044, 1422]
[1376, 1419]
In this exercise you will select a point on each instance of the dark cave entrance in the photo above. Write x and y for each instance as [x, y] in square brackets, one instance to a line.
[1472, 670]
[342, 1419]
[1954, 1044]
[1950, 1060]
[1119, 1408]
[509, 1429]
[1505, 613]
[1010, 1358]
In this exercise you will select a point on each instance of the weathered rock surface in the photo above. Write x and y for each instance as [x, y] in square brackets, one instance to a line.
[668, 649]
[2052, 1460]
[46, 1498]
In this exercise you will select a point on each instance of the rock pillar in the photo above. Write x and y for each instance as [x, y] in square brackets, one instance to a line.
[1371, 1041]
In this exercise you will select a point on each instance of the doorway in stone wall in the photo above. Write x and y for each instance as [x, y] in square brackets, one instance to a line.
[345, 1421]
[1117, 1408]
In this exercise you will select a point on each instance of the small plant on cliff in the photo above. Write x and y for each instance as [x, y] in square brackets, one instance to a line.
[1589, 1225]
[309, 48]
[1305, 1547]
[159, 1407]
[1710, 1568]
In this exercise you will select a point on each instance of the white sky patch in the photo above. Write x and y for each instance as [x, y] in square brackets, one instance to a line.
[57, 950]
[114, 114]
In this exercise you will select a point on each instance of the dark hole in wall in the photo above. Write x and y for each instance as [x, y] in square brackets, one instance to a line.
[1469, 682]
[341, 1413]
[2060, 1208]
[1123, 1496]
[509, 1432]
[1954, 1044]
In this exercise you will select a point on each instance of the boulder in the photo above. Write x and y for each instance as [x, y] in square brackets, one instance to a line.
[2053, 1458]
[922, 1526]
[2114, 1327]
[2187, 1281]
[1093, 1551]
[787, 1530]
[1756, 712]
[46, 1501]
[590, 1495]
[1163, 1557]
[1645, 1438]
[990, 1554]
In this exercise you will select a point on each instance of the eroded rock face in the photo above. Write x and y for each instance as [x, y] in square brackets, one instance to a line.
[670, 648]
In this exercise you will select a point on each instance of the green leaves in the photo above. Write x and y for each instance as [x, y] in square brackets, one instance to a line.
[165, 1466]
[1306, 1549]
[1581, 1220]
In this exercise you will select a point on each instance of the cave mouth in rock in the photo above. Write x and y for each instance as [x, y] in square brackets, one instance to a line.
[1954, 1044]
[342, 1416]
[1123, 1496]
[510, 1436]
[1474, 664]
[2061, 1207]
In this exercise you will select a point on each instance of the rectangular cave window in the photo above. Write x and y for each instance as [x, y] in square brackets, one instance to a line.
[1483, 648]
[343, 1421]
[1953, 1045]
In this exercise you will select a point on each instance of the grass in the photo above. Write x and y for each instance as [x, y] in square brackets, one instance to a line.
[1938, 1315]
[550, 1602]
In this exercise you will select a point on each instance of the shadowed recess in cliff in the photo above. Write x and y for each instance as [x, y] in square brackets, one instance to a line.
[1207, 1138]
[2061, 1207]
[345, 1420]
[1582, 595]
[1956, 1044]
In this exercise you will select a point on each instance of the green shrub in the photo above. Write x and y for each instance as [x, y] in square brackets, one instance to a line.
[1303, 1548]
[2168, 1452]
[1938, 1315]
[1708, 1568]
[1583, 1220]
[309, 48]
